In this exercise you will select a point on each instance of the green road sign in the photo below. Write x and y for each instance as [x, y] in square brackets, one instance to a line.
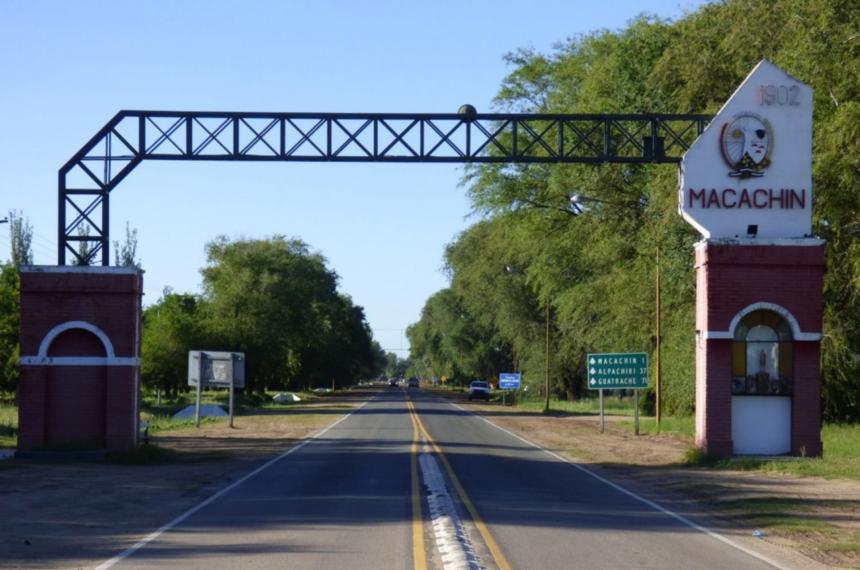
[616, 371]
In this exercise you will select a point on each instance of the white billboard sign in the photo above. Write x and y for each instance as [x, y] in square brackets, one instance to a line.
[216, 369]
[750, 172]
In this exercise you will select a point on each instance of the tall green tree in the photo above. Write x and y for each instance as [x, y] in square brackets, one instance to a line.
[584, 237]
[21, 253]
[171, 327]
[9, 326]
[278, 302]
[21, 239]
[452, 343]
[125, 254]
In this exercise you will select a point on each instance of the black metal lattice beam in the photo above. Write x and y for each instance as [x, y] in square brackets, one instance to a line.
[86, 180]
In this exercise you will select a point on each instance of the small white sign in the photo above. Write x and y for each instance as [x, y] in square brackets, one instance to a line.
[749, 175]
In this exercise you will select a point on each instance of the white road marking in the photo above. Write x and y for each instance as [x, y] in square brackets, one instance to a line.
[631, 494]
[453, 543]
[152, 536]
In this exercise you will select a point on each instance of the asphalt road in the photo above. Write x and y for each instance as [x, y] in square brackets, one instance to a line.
[347, 500]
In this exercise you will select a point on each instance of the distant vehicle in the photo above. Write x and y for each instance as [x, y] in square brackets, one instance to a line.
[480, 390]
[413, 382]
[392, 383]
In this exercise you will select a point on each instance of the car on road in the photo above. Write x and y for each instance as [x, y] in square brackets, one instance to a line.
[479, 390]
[392, 383]
[413, 382]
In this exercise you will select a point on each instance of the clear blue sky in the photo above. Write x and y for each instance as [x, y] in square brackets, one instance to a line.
[67, 67]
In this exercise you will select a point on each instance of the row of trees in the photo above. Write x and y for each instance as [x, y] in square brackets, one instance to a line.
[568, 252]
[272, 299]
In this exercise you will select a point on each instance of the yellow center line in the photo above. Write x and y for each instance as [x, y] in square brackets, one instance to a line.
[418, 555]
[492, 546]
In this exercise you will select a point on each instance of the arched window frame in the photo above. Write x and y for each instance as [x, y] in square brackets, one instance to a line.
[747, 382]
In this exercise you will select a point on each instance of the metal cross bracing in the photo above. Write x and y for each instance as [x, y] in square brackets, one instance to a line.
[86, 180]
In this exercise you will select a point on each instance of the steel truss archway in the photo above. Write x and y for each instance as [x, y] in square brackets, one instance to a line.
[87, 179]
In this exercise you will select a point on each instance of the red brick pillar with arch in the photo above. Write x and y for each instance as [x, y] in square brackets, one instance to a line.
[734, 278]
[80, 357]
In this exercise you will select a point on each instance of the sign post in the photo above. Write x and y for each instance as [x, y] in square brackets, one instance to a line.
[618, 371]
[636, 412]
[509, 381]
[602, 425]
[218, 370]
[197, 405]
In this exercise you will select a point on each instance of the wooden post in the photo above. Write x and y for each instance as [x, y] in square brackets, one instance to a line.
[546, 364]
[657, 372]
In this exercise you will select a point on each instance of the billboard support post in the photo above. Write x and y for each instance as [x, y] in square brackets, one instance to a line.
[197, 405]
[230, 420]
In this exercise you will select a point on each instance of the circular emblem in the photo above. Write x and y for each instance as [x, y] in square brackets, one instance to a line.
[746, 142]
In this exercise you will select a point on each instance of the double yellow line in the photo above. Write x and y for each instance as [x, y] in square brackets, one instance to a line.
[418, 553]
[419, 556]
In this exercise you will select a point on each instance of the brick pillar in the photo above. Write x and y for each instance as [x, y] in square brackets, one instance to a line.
[734, 277]
[806, 405]
[121, 421]
[32, 395]
[80, 357]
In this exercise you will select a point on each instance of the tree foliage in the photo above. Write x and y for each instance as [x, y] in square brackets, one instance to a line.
[21, 253]
[274, 300]
[171, 327]
[125, 254]
[583, 238]
[21, 238]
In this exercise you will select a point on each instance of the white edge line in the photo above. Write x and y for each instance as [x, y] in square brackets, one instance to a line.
[629, 493]
[152, 536]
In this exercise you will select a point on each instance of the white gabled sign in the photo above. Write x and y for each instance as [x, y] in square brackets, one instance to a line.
[750, 172]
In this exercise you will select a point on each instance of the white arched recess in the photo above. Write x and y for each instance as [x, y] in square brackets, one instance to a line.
[761, 424]
[798, 334]
[110, 358]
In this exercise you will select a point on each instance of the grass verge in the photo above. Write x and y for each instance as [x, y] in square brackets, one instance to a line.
[158, 413]
[586, 406]
[841, 458]
[8, 425]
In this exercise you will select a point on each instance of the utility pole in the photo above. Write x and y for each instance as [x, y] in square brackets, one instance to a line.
[657, 372]
[546, 363]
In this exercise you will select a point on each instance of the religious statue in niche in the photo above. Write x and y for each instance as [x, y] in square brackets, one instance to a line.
[758, 360]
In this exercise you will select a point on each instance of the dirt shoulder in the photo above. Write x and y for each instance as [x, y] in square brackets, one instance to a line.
[807, 522]
[77, 515]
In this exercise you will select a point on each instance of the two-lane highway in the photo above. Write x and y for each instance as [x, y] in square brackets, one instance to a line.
[354, 497]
